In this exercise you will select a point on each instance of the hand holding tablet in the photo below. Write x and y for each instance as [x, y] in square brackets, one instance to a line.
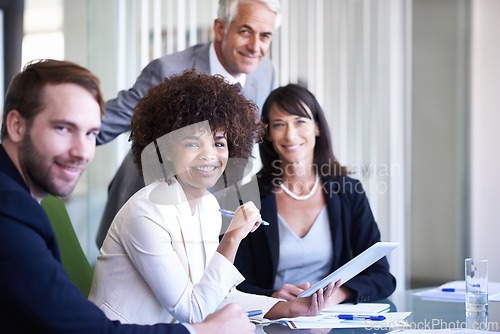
[355, 266]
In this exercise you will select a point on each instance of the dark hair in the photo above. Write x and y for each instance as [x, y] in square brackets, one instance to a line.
[190, 98]
[293, 99]
[26, 90]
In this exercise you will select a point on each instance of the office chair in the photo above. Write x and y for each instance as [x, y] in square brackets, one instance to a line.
[74, 260]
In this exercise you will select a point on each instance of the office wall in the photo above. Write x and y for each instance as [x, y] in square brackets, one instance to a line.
[485, 134]
[439, 137]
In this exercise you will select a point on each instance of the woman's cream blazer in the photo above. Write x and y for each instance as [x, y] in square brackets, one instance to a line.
[142, 271]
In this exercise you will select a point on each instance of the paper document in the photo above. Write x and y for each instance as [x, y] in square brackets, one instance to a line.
[348, 315]
[358, 308]
[329, 320]
[455, 292]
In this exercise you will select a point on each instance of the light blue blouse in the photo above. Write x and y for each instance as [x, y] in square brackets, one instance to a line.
[307, 259]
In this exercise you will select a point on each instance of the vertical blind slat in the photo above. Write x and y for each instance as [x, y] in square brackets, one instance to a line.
[157, 40]
[144, 29]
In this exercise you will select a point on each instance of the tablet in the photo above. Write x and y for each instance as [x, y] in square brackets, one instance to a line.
[355, 266]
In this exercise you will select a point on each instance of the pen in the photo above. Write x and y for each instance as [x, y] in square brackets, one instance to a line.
[361, 317]
[254, 313]
[230, 214]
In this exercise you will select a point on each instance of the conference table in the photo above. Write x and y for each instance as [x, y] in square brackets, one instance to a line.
[425, 315]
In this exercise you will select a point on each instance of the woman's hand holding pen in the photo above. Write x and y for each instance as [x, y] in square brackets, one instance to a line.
[225, 321]
[246, 219]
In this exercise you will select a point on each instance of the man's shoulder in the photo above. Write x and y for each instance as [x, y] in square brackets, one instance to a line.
[192, 50]
[6, 181]
[22, 220]
[15, 201]
[265, 69]
[182, 60]
[10, 188]
[266, 63]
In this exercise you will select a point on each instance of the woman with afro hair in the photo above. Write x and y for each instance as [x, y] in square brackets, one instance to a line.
[161, 260]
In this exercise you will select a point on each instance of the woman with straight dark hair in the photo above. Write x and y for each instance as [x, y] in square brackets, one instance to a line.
[319, 217]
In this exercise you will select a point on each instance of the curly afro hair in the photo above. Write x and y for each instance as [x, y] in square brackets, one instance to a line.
[190, 98]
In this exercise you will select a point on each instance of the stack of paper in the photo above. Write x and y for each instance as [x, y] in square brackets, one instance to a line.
[455, 292]
[368, 315]
[325, 320]
[358, 308]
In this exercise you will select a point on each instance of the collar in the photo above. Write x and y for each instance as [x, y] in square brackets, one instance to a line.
[217, 68]
[8, 167]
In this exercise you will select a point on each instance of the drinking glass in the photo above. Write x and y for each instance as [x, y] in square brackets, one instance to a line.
[476, 285]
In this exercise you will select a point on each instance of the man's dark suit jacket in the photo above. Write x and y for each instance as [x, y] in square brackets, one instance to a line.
[353, 229]
[36, 295]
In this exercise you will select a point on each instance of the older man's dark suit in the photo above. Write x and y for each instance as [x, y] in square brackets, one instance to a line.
[353, 229]
[36, 295]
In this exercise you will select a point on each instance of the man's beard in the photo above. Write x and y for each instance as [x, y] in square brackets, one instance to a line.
[36, 169]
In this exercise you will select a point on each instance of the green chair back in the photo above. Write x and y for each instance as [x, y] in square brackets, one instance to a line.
[74, 261]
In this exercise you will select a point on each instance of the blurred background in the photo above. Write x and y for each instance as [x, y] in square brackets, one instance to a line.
[411, 89]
